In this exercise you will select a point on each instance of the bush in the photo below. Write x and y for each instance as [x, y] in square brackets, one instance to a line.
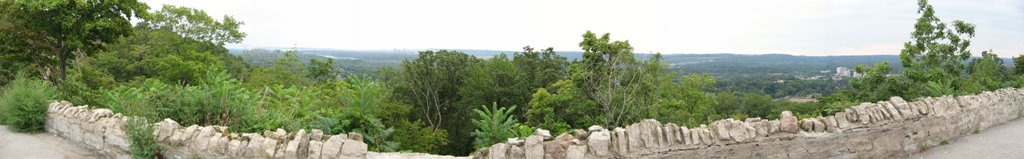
[24, 103]
[143, 143]
[495, 125]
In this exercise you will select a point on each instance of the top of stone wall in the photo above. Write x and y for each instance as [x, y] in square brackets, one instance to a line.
[650, 136]
[101, 129]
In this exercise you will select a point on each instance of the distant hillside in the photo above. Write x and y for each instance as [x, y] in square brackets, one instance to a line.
[717, 64]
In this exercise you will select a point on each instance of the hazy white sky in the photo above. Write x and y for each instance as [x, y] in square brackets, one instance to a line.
[805, 27]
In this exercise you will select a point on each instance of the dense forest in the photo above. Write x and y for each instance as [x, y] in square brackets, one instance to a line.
[172, 63]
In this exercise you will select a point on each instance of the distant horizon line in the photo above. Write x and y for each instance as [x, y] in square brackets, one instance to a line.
[511, 51]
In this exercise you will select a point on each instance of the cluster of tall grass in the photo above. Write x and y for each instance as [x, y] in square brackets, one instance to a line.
[23, 104]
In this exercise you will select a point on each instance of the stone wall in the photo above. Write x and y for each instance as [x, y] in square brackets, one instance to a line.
[101, 130]
[885, 129]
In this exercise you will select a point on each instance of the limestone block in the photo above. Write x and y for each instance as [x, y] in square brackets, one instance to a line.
[497, 151]
[280, 152]
[202, 139]
[595, 128]
[819, 125]
[722, 128]
[291, 150]
[684, 135]
[355, 136]
[773, 126]
[515, 141]
[788, 122]
[516, 152]
[332, 147]
[620, 141]
[807, 125]
[580, 134]
[543, 133]
[634, 137]
[695, 138]
[234, 148]
[671, 132]
[115, 138]
[576, 152]
[302, 138]
[555, 149]
[184, 135]
[534, 147]
[166, 129]
[314, 150]
[354, 149]
[705, 135]
[598, 142]
[761, 128]
[650, 133]
[218, 145]
[269, 148]
[862, 114]
[892, 111]
[741, 131]
[317, 135]
[841, 120]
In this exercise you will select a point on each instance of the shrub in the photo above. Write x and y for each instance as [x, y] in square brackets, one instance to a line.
[143, 143]
[24, 103]
[495, 125]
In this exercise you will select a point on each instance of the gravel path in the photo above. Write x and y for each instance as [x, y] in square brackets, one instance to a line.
[1000, 141]
[42, 146]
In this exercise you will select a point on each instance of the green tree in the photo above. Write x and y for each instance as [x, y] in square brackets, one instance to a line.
[49, 32]
[936, 52]
[322, 70]
[431, 84]
[175, 44]
[1018, 65]
[493, 80]
[623, 87]
[539, 68]
[689, 102]
[989, 71]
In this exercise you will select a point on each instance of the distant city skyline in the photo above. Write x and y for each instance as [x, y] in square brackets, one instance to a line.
[800, 27]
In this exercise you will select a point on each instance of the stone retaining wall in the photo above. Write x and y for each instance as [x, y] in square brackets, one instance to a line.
[886, 129]
[101, 130]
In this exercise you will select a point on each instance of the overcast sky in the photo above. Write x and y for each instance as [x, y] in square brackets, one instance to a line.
[804, 27]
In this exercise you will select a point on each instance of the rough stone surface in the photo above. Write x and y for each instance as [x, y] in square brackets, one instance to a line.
[599, 142]
[788, 122]
[534, 147]
[576, 152]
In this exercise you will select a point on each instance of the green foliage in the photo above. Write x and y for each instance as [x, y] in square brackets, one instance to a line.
[494, 125]
[84, 83]
[1018, 66]
[989, 71]
[418, 137]
[690, 102]
[625, 89]
[143, 142]
[23, 104]
[48, 33]
[936, 51]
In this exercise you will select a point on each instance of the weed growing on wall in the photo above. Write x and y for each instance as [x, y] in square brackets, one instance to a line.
[143, 143]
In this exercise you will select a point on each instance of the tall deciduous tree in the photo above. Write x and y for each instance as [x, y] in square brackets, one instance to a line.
[937, 50]
[609, 74]
[49, 32]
